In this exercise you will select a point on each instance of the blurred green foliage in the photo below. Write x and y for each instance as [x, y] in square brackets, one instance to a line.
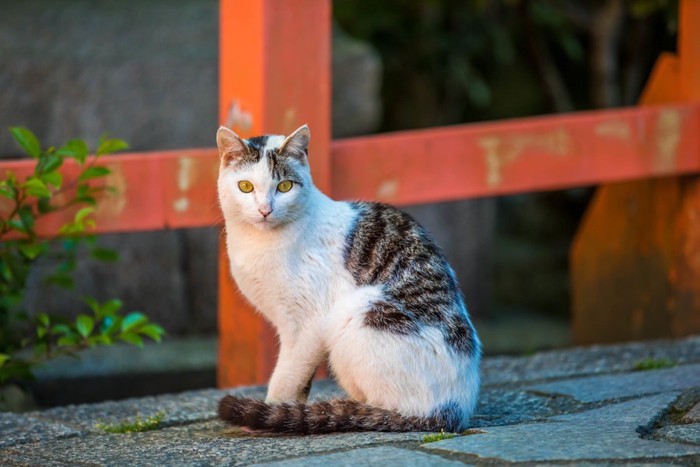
[452, 61]
[26, 341]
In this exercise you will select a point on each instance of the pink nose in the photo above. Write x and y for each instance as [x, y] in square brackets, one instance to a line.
[265, 211]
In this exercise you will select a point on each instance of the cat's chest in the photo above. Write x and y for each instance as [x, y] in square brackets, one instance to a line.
[302, 276]
[275, 267]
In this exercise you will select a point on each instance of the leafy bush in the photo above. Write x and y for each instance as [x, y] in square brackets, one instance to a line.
[25, 340]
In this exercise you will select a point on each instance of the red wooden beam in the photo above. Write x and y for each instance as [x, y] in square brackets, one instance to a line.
[155, 190]
[175, 189]
[532, 154]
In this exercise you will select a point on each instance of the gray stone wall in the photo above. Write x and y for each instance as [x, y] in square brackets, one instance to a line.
[146, 71]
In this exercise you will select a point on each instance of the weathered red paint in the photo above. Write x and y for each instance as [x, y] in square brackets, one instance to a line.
[518, 156]
[275, 75]
[155, 190]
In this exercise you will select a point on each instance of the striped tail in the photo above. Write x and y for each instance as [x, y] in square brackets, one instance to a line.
[335, 416]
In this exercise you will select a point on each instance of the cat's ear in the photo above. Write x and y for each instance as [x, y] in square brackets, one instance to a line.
[231, 146]
[297, 144]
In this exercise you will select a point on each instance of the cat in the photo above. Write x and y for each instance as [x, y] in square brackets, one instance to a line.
[359, 283]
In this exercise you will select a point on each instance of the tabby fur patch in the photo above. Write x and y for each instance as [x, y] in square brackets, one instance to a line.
[335, 416]
[387, 247]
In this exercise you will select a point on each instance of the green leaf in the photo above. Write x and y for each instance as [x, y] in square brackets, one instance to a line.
[3, 358]
[133, 339]
[44, 205]
[133, 321]
[109, 146]
[84, 324]
[67, 341]
[111, 324]
[43, 325]
[70, 229]
[75, 148]
[27, 217]
[49, 164]
[62, 329]
[31, 250]
[43, 319]
[153, 331]
[18, 225]
[83, 189]
[105, 311]
[100, 339]
[80, 215]
[7, 189]
[94, 172]
[37, 188]
[27, 140]
[53, 178]
[93, 304]
[104, 254]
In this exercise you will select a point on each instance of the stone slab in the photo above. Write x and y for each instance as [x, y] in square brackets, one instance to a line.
[583, 361]
[507, 407]
[207, 443]
[21, 429]
[693, 415]
[611, 387]
[384, 456]
[607, 433]
[519, 424]
[681, 433]
[187, 407]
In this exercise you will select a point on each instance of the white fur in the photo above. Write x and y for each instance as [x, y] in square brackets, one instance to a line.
[290, 266]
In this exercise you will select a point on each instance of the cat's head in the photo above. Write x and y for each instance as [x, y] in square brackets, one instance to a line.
[264, 181]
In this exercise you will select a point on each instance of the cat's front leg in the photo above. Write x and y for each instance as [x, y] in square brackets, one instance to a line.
[297, 363]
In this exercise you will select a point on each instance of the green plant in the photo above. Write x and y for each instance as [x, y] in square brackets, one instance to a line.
[25, 340]
[653, 364]
[137, 426]
[438, 436]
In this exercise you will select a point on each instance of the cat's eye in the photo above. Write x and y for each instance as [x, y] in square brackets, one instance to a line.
[245, 186]
[285, 185]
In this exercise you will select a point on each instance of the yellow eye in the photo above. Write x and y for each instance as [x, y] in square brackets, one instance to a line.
[285, 185]
[245, 186]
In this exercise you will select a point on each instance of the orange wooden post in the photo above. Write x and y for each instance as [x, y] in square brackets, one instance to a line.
[274, 75]
[635, 263]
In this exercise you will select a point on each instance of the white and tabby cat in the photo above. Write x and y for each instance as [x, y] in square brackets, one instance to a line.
[360, 283]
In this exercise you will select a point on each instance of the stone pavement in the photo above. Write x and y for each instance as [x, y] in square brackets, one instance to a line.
[585, 406]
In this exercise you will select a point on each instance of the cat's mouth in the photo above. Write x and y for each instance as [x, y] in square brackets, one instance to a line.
[265, 222]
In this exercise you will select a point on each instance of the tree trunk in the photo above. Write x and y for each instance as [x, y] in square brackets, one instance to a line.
[605, 36]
